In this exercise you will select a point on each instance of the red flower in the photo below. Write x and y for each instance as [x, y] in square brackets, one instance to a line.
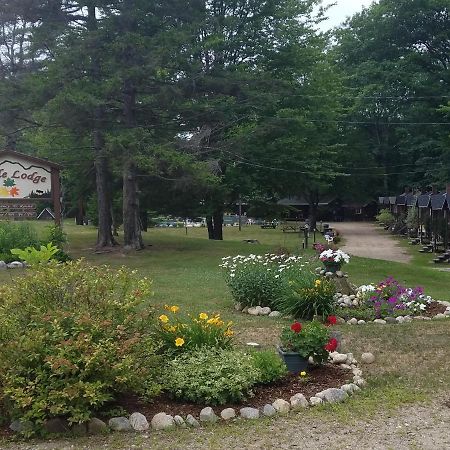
[331, 320]
[332, 345]
[296, 327]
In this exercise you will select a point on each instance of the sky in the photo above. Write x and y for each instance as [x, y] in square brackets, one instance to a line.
[343, 8]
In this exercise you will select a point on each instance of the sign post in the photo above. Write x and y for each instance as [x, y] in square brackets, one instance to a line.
[24, 180]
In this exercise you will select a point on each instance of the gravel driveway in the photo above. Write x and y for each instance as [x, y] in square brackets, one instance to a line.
[367, 240]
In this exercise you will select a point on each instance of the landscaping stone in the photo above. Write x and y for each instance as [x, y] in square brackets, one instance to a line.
[329, 274]
[192, 421]
[391, 320]
[440, 316]
[334, 395]
[315, 401]
[338, 358]
[275, 314]
[3, 265]
[340, 320]
[348, 388]
[56, 426]
[79, 429]
[269, 410]
[400, 319]
[15, 265]
[298, 401]
[357, 372]
[368, 358]
[249, 413]
[139, 422]
[255, 311]
[353, 321]
[120, 424]
[179, 421]
[339, 273]
[265, 311]
[281, 406]
[360, 382]
[208, 415]
[96, 426]
[19, 426]
[345, 366]
[245, 310]
[361, 322]
[228, 414]
[356, 388]
[407, 318]
[162, 421]
[380, 321]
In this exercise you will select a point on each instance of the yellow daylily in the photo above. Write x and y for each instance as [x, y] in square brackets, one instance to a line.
[303, 374]
[318, 283]
[163, 318]
[174, 308]
[228, 333]
[179, 342]
[203, 316]
[172, 329]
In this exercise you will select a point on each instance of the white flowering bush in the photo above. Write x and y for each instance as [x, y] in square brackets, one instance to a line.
[334, 256]
[260, 279]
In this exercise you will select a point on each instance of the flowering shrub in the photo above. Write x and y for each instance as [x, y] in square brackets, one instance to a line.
[73, 337]
[334, 256]
[307, 297]
[181, 333]
[309, 340]
[389, 298]
[212, 376]
[260, 279]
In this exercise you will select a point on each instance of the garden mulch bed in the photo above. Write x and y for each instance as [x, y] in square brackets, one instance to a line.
[319, 378]
[434, 308]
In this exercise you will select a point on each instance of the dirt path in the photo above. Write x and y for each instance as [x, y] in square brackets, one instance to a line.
[366, 240]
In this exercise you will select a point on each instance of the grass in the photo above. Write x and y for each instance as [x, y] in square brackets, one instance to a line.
[413, 360]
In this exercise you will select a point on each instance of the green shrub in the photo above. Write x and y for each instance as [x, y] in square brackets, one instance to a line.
[308, 296]
[212, 376]
[271, 368]
[180, 333]
[385, 217]
[56, 236]
[72, 338]
[16, 235]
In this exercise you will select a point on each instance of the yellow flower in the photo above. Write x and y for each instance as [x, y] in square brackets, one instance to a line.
[172, 329]
[174, 308]
[163, 318]
[303, 374]
[228, 333]
[318, 283]
[212, 321]
[203, 316]
[179, 342]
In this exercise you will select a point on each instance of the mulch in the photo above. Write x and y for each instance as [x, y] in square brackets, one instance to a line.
[318, 379]
[434, 308]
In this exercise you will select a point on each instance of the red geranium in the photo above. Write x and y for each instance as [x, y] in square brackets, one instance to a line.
[332, 345]
[331, 320]
[296, 327]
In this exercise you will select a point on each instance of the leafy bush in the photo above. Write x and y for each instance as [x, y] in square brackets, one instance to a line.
[180, 333]
[259, 279]
[412, 219]
[212, 376]
[385, 217]
[271, 368]
[16, 235]
[308, 297]
[72, 338]
[310, 340]
[56, 236]
[34, 256]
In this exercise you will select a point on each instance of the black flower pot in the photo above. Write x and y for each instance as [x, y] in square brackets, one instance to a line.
[295, 363]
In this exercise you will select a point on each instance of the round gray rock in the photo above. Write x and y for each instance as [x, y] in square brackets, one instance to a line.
[249, 413]
[96, 426]
[315, 401]
[208, 415]
[334, 395]
[298, 401]
[162, 421]
[275, 314]
[269, 410]
[368, 358]
[120, 424]
[179, 421]
[281, 406]
[192, 421]
[228, 414]
[139, 422]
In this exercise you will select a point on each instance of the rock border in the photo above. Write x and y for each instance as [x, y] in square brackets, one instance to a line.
[12, 265]
[137, 422]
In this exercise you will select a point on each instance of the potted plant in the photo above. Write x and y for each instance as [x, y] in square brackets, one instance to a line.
[300, 342]
[333, 259]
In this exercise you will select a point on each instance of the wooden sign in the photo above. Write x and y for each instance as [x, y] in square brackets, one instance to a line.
[25, 179]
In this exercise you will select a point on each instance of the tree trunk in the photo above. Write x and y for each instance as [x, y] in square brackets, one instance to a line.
[104, 237]
[132, 236]
[210, 225]
[218, 225]
[312, 215]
